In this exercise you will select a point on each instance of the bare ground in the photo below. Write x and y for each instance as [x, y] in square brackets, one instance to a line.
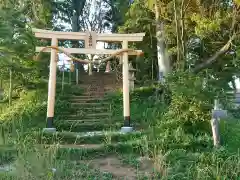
[115, 166]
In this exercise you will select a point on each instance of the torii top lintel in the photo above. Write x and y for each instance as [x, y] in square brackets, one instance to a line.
[47, 34]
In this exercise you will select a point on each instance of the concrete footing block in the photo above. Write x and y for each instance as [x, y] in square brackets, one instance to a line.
[49, 130]
[126, 129]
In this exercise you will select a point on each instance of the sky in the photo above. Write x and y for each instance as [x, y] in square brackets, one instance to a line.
[237, 81]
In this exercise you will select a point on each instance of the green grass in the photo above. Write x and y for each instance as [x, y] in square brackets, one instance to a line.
[143, 103]
[179, 151]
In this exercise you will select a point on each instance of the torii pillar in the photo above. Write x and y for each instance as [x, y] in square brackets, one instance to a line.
[52, 88]
[126, 97]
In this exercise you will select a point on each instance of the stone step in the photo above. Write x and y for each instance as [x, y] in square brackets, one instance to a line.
[92, 78]
[86, 98]
[85, 116]
[85, 80]
[89, 151]
[88, 116]
[135, 146]
[98, 94]
[89, 104]
[94, 93]
[83, 146]
[93, 85]
[96, 108]
[96, 137]
[93, 109]
[98, 114]
[81, 100]
[86, 121]
[86, 127]
[82, 97]
[86, 109]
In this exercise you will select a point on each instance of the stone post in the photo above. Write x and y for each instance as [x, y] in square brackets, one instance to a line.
[108, 67]
[217, 114]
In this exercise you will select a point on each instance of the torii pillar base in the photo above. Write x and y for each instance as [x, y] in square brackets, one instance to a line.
[49, 130]
[125, 129]
[127, 126]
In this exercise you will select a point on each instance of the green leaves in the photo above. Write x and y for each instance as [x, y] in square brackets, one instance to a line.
[16, 46]
[151, 3]
[206, 26]
[237, 2]
[191, 101]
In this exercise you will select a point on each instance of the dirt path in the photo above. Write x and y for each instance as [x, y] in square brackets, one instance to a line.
[120, 171]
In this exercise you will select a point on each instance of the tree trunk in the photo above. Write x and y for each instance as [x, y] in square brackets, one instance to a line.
[90, 69]
[75, 23]
[77, 8]
[2, 138]
[1, 90]
[77, 76]
[183, 35]
[177, 29]
[234, 84]
[10, 87]
[63, 80]
[70, 78]
[215, 124]
[163, 59]
[214, 57]
[90, 65]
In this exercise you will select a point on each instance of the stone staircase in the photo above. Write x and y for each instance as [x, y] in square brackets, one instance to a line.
[89, 131]
[90, 109]
[99, 83]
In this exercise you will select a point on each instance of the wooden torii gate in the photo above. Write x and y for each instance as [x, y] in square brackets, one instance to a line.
[90, 39]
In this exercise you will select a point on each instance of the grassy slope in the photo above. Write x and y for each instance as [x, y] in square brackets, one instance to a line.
[178, 154]
[185, 154]
[25, 117]
[145, 108]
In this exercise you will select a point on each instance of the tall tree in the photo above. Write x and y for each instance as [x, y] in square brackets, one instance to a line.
[115, 16]
[67, 18]
[159, 9]
[93, 16]
[16, 47]
[16, 40]
[68, 13]
[195, 35]
[93, 19]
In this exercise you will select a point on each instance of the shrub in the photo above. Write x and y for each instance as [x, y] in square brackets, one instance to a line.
[190, 101]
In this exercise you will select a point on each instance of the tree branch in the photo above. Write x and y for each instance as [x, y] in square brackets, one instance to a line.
[214, 58]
